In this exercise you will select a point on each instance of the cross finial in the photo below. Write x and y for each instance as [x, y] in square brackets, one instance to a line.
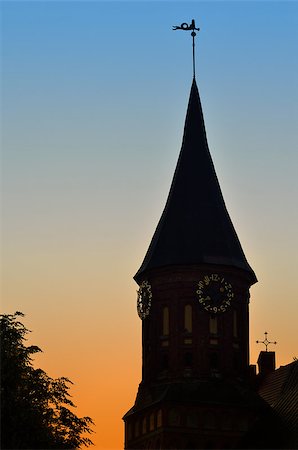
[184, 26]
[266, 342]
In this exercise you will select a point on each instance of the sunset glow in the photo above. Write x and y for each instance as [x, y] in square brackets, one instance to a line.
[94, 101]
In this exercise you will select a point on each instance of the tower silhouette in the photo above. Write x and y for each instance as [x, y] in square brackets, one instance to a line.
[193, 300]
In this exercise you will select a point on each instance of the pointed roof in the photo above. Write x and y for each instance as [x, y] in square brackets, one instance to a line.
[195, 226]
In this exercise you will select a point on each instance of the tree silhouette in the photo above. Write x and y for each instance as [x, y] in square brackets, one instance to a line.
[35, 410]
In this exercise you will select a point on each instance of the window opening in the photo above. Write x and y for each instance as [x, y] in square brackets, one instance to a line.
[144, 428]
[151, 422]
[165, 321]
[188, 318]
[159, 418]
[213, 325]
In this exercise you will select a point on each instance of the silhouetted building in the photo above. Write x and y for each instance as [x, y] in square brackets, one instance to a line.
[197, 390]
[279, 388]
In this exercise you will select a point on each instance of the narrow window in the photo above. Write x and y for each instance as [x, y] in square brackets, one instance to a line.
[144, 428]
[137, 428]
[235, 326]
[151, 422]
[165, 321]
[213, 325]
[159, 418]
[188, 318]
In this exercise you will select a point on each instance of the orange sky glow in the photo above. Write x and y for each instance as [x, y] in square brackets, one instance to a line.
[93, 124]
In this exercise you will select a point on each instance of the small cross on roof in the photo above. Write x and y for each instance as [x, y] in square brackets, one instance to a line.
[266, 342]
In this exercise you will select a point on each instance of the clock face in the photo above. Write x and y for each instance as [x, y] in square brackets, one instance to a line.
[144, 299]
[215, 293]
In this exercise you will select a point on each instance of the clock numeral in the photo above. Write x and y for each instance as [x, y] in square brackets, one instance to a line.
[201, 285]
[199, 292]
[207, 279]
[214, 277]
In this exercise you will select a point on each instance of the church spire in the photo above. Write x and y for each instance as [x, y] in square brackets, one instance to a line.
[195, 227]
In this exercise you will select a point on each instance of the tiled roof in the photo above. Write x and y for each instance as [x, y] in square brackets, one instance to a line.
[280, 390]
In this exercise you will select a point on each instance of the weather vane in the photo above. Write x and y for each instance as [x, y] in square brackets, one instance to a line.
[184, 26]
[266, 342]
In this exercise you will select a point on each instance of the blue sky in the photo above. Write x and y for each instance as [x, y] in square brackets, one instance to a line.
[95, 95]
[94, 101]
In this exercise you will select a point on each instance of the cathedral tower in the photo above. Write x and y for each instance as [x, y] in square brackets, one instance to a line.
[193, 301]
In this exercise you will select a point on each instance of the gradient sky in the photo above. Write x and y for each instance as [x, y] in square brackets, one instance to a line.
[94, 101]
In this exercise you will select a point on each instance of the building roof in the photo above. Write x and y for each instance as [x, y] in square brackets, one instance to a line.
[199, 392]
[195, 226]
[280, 390]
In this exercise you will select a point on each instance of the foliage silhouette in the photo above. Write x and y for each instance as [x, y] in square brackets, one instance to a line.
[35, 410]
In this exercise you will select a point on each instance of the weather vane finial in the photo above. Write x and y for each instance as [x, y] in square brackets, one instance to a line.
[184, 26]
[266, 342]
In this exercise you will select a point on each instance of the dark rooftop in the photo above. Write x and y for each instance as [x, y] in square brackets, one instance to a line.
[195, 226]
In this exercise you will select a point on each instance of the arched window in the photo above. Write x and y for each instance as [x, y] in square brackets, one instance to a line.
[213, 325]
[159, 418]
[188, 318]
[151, 422]
[144, 425]
[165, 321]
